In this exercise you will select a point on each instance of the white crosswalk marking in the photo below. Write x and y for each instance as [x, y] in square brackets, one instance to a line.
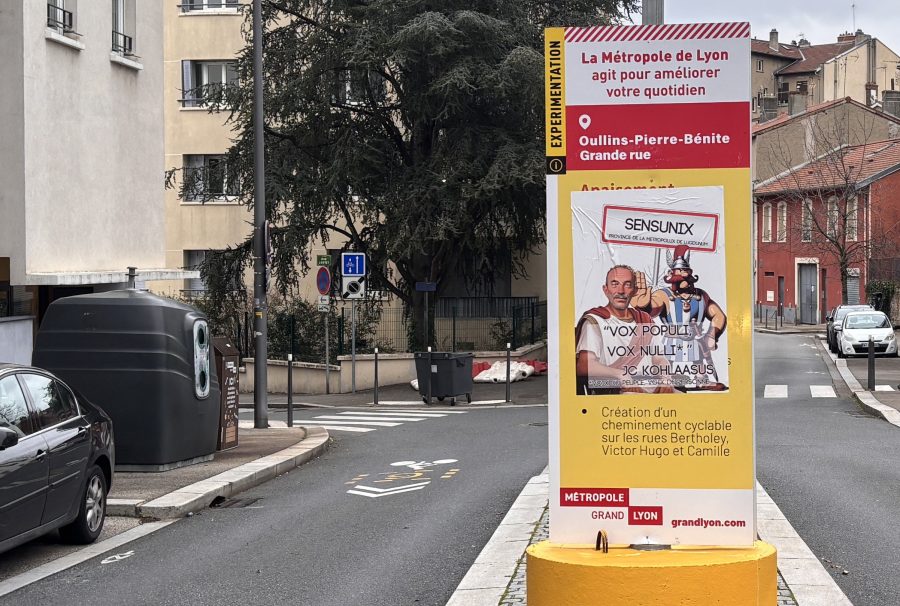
[370, 418]
[883, 388]
[776, 391]
[822, 391]
[355, 421]
[320, 421]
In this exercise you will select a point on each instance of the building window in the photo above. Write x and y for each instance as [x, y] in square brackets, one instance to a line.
[61, 15]
[207, 177]
[783, 91]
[354, 87]
[852, 209]
[767, 222]
[802, 87]
[806, 221]
[199, 79]
[123, 26]
[753, 104]
[207, 5]
[832, 217]
[781, 232]
[759, 65]
[194, 287]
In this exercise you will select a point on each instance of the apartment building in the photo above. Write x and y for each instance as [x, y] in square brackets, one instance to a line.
[202, 38]
[81, 185]
[801, 74]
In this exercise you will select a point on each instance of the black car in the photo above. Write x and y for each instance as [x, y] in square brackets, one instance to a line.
[56, 459]
[834, 319]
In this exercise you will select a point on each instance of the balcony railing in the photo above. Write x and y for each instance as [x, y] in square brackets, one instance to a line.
[59, 18]
[122, 43]
[208, 5]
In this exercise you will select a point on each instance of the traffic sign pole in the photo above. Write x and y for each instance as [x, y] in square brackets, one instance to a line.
[353, 347]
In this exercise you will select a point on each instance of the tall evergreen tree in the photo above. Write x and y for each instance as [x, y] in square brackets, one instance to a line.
[412, 130]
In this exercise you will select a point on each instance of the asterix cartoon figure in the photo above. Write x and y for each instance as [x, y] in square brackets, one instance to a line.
[694, 320]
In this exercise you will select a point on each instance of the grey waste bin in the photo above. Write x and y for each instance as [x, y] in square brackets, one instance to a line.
[147, 361]
[450, 375]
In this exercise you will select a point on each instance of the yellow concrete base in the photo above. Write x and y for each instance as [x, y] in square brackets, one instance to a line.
[560, 576]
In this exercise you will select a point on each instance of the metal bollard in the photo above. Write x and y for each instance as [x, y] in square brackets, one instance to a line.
[429, 375]
[290, 419]
[376, 376]
[871, 386]
[508, 354]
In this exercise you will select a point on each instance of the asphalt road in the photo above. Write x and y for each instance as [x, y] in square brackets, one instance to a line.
[832, 469]
[303, 539]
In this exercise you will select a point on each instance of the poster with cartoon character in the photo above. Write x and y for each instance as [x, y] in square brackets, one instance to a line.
[649, 291]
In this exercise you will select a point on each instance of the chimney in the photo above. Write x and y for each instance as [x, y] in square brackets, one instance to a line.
[847, 37]
[860, 37]
[803, 43]
[797, 102]
[773, 39]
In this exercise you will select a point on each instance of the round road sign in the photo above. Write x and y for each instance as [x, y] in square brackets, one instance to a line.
[323, 281]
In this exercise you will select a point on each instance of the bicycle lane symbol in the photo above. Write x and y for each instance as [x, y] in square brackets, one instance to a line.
[417, 478]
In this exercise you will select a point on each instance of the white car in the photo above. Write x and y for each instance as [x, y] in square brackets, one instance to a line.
[859, 326]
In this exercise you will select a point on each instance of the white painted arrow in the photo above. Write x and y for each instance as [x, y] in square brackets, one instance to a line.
[384, 492]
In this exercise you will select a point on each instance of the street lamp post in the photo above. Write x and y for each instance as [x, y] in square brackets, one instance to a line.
[260, 307]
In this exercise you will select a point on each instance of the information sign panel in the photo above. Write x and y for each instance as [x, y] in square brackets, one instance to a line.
[648, 209]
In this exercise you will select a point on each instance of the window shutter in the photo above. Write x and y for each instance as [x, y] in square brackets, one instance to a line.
[187, 84]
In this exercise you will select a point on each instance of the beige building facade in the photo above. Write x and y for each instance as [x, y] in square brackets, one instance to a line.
[201, 38]
[81, 187]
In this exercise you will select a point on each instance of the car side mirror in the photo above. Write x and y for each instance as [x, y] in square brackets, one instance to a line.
[8, 438]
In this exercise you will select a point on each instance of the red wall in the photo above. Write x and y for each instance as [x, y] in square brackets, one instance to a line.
[779, 258]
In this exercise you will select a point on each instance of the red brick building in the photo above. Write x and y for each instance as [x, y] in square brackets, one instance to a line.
[845, 204]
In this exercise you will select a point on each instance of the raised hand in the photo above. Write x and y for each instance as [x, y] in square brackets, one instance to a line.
[641, 297]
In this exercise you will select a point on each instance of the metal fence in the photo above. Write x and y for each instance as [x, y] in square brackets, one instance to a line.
[470, 325]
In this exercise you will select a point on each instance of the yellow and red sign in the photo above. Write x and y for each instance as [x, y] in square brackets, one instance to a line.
[649, 226]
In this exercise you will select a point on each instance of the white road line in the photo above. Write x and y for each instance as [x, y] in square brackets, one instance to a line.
[822, 391]
[443, 412]
[776, 391]
[398, 402]
[488, 402]
[402, 413]
[91, 551]
[354, 429]
[329, 422]
[371, 418]
[883, 388]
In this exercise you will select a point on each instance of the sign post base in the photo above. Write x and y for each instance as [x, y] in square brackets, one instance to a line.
[689, 575]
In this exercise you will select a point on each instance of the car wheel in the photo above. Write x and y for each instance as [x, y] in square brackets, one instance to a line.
[92, 512]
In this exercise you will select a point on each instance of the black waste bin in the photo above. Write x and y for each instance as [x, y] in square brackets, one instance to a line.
[147, 361]
[450, 375]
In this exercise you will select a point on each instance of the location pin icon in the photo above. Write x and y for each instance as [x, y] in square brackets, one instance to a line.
[584, 121]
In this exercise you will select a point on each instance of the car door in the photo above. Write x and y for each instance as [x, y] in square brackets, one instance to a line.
[24, 468]
[68, 440]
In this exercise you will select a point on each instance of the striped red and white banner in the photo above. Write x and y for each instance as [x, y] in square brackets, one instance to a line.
[669, 31]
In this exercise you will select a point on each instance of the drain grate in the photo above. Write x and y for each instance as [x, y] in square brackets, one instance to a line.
[223, 503]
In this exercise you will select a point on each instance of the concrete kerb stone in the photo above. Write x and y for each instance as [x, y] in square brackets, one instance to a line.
[200, 495]
[123, 507]
[866, 399]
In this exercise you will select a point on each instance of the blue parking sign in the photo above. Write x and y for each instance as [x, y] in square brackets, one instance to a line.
[353, 264]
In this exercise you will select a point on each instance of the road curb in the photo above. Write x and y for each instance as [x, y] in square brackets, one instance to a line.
[864, 397]
[488, 577]
[200, 495]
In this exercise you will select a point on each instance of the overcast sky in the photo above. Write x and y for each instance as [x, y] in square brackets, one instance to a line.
[819, 21]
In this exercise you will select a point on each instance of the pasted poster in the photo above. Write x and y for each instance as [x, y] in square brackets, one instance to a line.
[649, 284]
[650, 291]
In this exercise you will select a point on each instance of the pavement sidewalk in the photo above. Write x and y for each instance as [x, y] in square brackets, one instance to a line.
[261, 455]
[497, 578]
